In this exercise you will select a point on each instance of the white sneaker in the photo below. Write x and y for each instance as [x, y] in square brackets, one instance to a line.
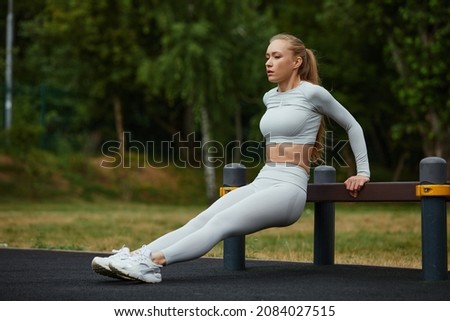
[137, 267]
[100, 265]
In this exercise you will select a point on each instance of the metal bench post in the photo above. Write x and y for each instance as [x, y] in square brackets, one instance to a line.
[324, 220]
[234, 175]
[433, 170]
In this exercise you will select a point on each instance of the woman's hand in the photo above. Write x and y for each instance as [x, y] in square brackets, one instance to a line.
[355, 183]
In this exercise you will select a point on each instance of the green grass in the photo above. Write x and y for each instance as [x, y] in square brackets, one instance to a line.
[372, 234]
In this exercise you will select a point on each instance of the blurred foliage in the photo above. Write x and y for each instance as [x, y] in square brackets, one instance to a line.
[162, 62]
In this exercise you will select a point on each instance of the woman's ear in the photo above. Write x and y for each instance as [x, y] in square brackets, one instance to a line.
[298, 62]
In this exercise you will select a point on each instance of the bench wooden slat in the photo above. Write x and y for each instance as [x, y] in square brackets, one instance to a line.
[372, 192]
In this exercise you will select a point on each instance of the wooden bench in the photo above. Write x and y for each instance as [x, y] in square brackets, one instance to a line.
[432, 191]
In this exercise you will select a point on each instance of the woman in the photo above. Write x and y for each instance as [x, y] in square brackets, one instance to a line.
[293, 129]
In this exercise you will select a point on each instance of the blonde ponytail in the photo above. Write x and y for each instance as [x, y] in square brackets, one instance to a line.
[310, 71]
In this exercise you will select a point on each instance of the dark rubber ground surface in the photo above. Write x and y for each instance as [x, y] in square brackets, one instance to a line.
[35, 275]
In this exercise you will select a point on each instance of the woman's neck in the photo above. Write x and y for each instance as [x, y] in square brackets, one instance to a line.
[289, 84]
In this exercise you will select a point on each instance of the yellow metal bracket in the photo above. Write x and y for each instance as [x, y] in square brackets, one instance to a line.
[226, 189]
[433, 190]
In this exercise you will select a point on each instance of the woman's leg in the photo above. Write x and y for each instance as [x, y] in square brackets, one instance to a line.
[280, 204]
[201, 219]
[276, 198]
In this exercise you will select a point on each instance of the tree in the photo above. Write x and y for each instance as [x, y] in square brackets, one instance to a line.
[203, 59]
[418, 43]
[192, 54]
[93, 48]
[414, 37]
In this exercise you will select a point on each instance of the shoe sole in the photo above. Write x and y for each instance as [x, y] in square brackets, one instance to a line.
[106, 272]
[131, 277]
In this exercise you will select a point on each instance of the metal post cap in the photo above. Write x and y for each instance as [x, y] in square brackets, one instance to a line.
[324, 174]
[433, 170]
[234, 174]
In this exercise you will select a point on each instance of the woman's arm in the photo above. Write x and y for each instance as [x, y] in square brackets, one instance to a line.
[327, 105]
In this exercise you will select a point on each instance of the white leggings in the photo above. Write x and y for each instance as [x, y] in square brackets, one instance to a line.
[275, 198]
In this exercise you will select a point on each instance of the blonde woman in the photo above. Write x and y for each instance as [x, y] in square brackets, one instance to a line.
[293, 128]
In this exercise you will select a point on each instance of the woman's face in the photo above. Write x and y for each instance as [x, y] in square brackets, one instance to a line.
[281, 63]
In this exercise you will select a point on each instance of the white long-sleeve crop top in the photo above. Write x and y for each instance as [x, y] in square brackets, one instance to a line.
[294, 116]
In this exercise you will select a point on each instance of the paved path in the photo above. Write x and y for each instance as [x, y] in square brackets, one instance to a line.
[36, 275]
